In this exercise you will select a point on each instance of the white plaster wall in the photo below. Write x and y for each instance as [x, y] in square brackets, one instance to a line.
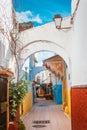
[47, 32]
[44, 77]
[45, 45]
[47, 37]
[79, 46]
[6, 24]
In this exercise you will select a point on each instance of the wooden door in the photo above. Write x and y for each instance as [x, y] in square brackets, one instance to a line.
[3, 102]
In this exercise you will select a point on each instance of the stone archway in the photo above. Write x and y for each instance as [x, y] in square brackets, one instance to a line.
[43, 45]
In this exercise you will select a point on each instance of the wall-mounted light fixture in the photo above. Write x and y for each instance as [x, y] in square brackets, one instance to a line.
[58, 22]
[58, 18]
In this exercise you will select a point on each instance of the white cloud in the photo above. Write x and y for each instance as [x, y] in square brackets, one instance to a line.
[28, 16]
[37, 19]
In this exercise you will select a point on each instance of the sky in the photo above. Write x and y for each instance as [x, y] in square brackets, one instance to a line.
[41, 11]
[40, 56]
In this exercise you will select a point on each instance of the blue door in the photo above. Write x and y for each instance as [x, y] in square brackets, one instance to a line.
[58, 93]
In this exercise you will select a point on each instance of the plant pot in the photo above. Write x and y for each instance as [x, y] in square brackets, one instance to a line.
[14, 126]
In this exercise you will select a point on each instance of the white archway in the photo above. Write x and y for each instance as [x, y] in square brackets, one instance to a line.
[43, 45]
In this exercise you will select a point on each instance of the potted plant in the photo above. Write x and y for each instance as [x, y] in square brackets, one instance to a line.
[17, 125]
[17, 92]
[21, 125]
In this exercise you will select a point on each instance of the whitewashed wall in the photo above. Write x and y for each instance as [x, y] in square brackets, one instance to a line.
[79, 46]
[71, 45]
[6, 25]
[44, 77]
[47, 37]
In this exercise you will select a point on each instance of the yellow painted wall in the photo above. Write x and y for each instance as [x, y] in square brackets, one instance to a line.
[64, 93]
[69, 102]
[66, 97]
[27, 103]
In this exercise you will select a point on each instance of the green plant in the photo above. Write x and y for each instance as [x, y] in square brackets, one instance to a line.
[21, 124]
[16, 94]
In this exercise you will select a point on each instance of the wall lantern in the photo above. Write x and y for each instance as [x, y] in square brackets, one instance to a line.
[58, 22]
[58, 18]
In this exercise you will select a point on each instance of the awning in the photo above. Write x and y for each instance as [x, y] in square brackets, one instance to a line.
[56, 65]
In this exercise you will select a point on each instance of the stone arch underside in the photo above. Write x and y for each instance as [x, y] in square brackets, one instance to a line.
[42, 45]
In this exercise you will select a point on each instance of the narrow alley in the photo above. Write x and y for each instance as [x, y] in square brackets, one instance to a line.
[43, 65]
[46, 115]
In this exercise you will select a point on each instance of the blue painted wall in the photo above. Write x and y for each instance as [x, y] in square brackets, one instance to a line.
[58, 93]
[33, 69]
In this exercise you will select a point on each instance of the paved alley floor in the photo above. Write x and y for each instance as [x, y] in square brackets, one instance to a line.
[45, 115]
